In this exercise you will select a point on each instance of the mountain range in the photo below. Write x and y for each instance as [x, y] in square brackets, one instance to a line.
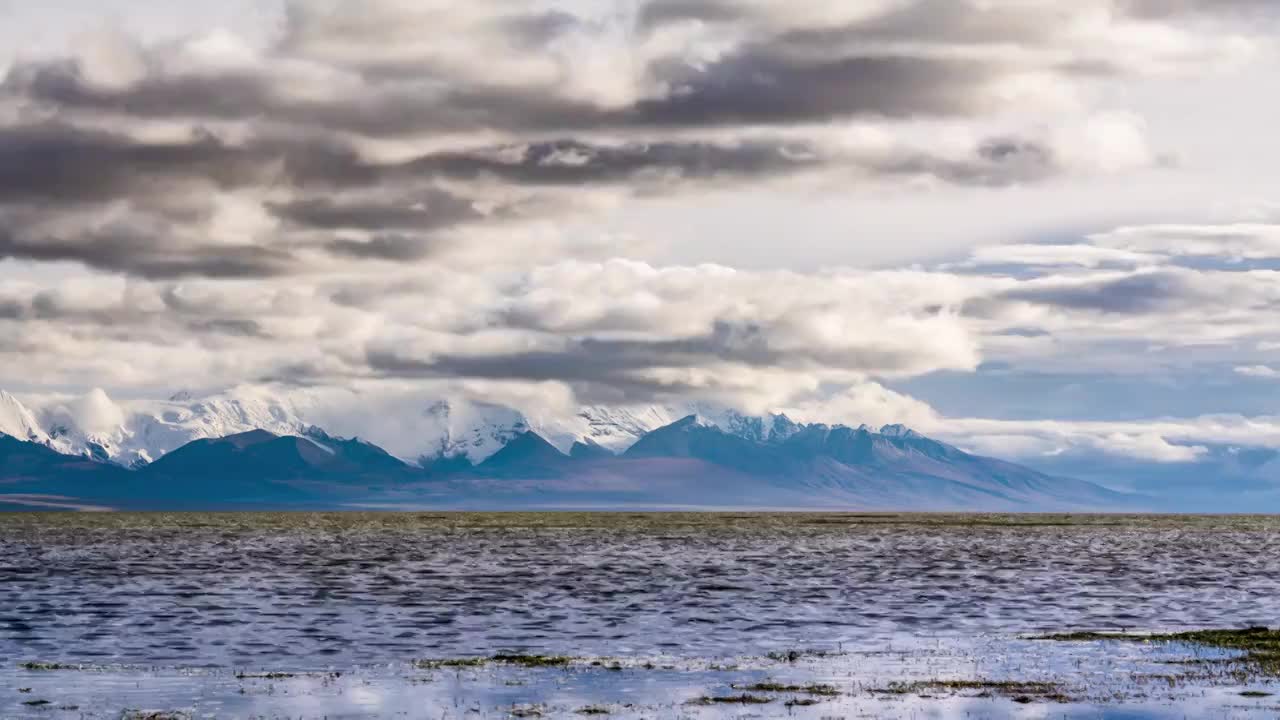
[695, 461]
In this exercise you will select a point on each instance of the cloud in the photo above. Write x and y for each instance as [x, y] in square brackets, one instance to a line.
[432, 194]
[1233, 243]
[1265, 372]
[1130, 294]
[376, 134]
[1155, 9]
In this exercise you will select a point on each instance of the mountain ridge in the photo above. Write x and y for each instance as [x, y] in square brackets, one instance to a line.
[688, 463]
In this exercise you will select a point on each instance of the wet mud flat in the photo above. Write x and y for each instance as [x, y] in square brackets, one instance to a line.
[637, 615]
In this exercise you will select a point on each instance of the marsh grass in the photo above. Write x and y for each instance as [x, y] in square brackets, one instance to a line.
[1019, 691]
[530, 661]
[1259, 646]
[48, 666]
[811, 689]
[743, 699]
[791, 656]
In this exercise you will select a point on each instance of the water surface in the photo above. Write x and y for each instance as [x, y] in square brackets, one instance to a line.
[167, 609]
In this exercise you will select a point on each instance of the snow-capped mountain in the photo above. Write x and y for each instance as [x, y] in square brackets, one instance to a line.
[419, 430]
[690, 463]
[141, 432]
[16, 420]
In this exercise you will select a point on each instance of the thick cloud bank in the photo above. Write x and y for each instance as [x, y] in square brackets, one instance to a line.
[393, 195]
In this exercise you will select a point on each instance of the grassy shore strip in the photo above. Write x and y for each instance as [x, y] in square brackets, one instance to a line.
[1019, 691]
[1260, 646]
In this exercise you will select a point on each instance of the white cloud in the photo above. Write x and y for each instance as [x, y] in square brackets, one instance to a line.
[1258, 371]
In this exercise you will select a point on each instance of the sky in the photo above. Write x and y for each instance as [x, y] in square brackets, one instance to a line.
[1036, 228]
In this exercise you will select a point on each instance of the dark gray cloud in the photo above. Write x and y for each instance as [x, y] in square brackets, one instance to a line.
[290, 132]
[570, 162]
[758, 85]
[149, 253]
[657, 13]
[125, 320]
[1131, 294]
[755, 85]
[384, 247]
[51, 169]
[429, 209]
[937, 21]
[55, 162]
[996, 162]
[594, 364]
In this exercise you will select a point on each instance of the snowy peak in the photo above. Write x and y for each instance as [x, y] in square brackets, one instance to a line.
[461, 429]
[431, 431]
[900, 431]
[17, 420]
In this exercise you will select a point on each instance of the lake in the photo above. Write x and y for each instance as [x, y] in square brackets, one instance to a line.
[630, 615]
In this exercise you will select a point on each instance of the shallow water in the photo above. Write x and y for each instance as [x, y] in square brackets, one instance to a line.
[163, 610]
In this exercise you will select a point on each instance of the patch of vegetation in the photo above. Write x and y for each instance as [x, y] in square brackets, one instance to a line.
[593, 710]
[811, 689]
[1255, 694]
[265, 676]
[526, 711]
[801, 702]
[450, 663]
[37, 703]
[48, 666]
[791, 656]
[155, 715]
[1019, 691]
[532, 661]
[1260, 646]
[743, 699]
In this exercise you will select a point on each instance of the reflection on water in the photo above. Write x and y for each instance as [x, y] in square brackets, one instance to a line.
[164, 610]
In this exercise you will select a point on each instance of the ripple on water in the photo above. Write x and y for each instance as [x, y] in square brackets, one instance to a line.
[322, 590]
